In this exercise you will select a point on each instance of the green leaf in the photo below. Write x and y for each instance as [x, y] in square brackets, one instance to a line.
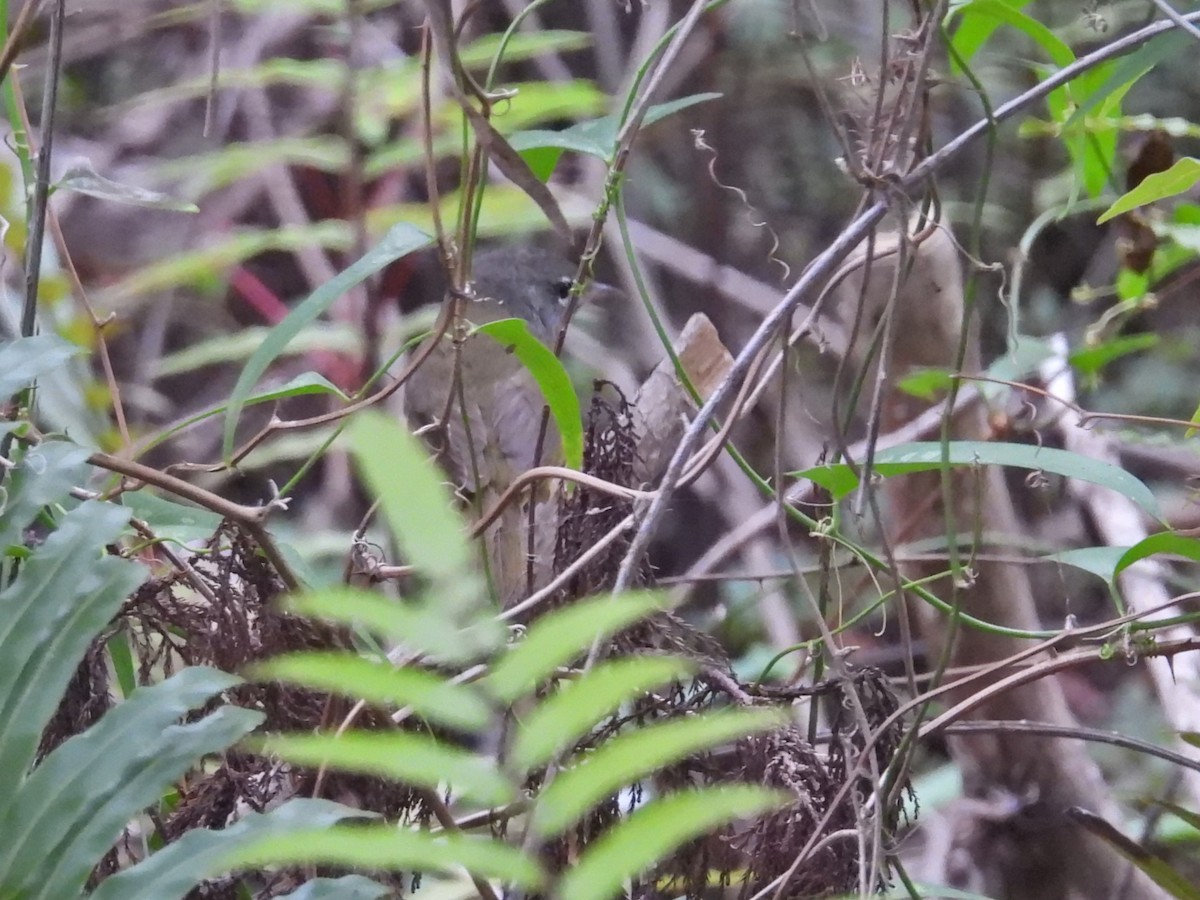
[400, 241]
[635, 844]
[552, 380]
[206, 172]
[25, 360]
[542, 161]
[524, 45]
[458, 706]
[565, 716]
[508, 213]
[418, 509]
[533, 104]
[412, 496]
[405, 757]
[64, 594]
[386, 847]
[1132, 285]
[84, 179]
[198, 266]
[598, 137]
[968, 39]
[1181, 177]
[840, 480]
[201, 853]
[69, 812]
[974, 30]
[419, 626]
[1092, 360]
[638, 754]
[563, 635]
[1099, 561]
[170, 519]
[310, 74]
[1189, 817]
[1159, 870]
[45, 475]
[1186, 213]
[1092, 147]
[237, 348]
[1163, 542]
[303, 384]
[348, 887]
[124, 665]
[927, 384]
[1129, 70]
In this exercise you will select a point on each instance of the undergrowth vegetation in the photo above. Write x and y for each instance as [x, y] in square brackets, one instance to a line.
[837, 611]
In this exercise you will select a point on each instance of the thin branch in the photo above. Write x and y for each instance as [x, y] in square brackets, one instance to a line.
[1075, 732]
[41, 185]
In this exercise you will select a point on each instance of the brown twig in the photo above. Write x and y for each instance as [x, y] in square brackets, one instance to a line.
[16, 36]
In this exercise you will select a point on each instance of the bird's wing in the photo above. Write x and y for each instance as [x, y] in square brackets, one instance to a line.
[517, 417]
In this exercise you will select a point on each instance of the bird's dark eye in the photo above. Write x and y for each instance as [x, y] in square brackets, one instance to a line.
[562, 288]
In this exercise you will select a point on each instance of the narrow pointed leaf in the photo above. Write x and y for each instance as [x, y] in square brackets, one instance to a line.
[63, 596]
[199, 854]
[390, 848]
[970, 34]
[564, 717]
[1129, 70]
[556, 639]
[432, 697]
[420, 626]
[169, 519]
[84, 179]
[1181, 177]
[638, 754]
[100, 778]
[598, 137]
[1159, 870]
[655, 830]
[1100, 561]
[24, 360]
[45, 475]
[1163, 542]
[400, 241]
[304, 383]
[419, 513]
[399, 756]
[926, 456]
[552, 380]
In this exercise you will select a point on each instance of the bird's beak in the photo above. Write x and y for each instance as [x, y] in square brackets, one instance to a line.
[597, 291]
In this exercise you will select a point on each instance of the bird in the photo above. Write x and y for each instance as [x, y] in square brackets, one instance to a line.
[485, 435]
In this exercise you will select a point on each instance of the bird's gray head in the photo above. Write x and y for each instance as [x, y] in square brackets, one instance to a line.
[529, 283]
